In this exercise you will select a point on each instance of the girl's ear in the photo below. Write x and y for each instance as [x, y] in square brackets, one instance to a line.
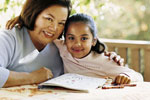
[94, 41]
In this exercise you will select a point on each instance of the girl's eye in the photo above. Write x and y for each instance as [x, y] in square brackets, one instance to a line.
[71, 38]
[84, 38]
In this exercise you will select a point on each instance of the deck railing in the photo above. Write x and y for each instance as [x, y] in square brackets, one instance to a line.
[135, 53]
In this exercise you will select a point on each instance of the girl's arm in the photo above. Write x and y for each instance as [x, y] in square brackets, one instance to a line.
[122, 75]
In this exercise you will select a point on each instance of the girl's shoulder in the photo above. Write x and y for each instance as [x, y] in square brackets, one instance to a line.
[94, 56]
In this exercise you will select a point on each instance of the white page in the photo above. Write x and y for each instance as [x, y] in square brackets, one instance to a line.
[75, 81]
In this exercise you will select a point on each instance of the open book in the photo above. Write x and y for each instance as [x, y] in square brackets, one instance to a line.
[75, 82]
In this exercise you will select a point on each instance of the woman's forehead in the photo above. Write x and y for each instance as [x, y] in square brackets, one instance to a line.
[57, 11]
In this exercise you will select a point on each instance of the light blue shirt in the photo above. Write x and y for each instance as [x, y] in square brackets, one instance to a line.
[17, 53]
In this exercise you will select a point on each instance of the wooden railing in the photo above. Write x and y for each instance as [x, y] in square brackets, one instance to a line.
[135, 53]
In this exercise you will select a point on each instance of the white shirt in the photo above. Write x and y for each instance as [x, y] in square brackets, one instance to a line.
[17, 53]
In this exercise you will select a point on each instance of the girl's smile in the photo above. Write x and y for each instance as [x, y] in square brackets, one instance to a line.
[79, 39]
[77, 50]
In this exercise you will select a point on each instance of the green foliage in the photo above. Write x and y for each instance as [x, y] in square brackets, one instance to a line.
[73, 11]
[126, 19]
[7, 2]
[5, 6]
[85, 2]
[9, 9]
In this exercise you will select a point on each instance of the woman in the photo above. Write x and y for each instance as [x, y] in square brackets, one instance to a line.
[24, 54]
[27, 54]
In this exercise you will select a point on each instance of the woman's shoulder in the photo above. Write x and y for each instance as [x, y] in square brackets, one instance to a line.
[7, 34]
[12, 32]
[13, 35]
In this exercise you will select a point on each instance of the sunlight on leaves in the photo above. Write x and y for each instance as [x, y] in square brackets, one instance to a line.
[121, 20]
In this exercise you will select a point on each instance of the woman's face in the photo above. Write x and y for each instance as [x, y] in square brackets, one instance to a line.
[49, 25]
[79, 39]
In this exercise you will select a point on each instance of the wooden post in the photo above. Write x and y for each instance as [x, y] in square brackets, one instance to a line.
[111, 49]
[147, 65]
[135, 59]
[123, 53]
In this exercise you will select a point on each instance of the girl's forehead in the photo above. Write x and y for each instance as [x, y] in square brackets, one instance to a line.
[78, 25]
[78, 29]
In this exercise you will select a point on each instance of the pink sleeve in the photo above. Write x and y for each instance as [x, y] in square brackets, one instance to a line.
[113, 70]
[59, 43]
[61, 46]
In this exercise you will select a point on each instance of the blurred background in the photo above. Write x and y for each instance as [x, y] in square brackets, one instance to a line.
[115, 19]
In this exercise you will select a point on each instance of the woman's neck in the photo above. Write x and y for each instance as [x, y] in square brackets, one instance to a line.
[37, 44]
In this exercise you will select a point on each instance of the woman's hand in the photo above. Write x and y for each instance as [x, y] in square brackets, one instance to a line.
[15, 21]
[122, 79]
[115, 57]
[41, 75]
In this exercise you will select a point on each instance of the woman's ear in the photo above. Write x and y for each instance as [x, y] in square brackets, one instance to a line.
[94, 41]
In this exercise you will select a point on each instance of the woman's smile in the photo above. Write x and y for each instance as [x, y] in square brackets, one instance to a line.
[49, 25]
[48, 34]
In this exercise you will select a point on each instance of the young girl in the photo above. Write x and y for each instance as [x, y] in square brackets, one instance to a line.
[83, 53]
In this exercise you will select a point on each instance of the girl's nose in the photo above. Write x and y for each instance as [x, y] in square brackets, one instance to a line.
[78, 43]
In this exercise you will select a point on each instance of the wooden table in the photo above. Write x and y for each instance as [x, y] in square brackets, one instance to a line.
[30, 92]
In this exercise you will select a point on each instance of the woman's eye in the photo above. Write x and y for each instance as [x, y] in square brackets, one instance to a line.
[84, 38]
[62, 24]
[49, 19]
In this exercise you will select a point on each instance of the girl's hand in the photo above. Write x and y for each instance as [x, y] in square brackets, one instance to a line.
[15, 21]
[41, 75]
[115, 57]
[122, 79]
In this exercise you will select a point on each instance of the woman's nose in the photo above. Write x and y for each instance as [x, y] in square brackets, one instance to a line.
[53, 26]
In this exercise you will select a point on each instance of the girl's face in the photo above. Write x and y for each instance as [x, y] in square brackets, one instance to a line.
[79, 39]
[49, 25]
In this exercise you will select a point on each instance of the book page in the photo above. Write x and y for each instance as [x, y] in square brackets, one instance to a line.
[75, 81]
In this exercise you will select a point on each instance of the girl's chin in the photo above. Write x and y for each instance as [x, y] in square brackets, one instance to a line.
[78, 57]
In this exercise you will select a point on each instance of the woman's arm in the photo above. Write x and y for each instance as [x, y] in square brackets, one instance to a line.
[25, 78]
[116, 58]
[7, 54]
